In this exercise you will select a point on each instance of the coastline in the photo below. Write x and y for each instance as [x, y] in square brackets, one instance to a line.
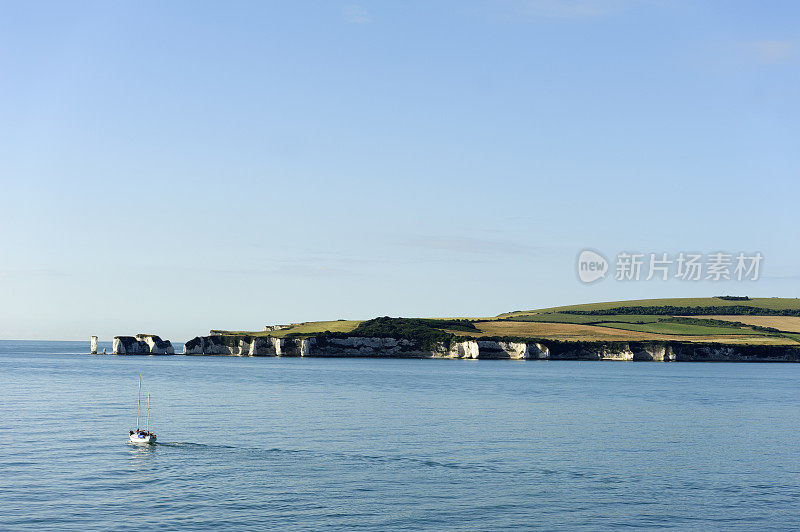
[343, 346]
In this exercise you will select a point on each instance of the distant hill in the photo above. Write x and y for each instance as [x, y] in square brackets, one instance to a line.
[724, 319]
[773, 303]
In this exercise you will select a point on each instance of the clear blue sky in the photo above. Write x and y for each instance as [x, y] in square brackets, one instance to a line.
[172, 167]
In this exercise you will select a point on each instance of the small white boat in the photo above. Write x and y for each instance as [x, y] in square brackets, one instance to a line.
[139, 435]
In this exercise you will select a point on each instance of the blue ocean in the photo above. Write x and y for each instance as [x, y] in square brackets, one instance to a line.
[365, 444]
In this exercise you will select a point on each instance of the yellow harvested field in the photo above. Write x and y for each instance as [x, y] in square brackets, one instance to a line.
[784, 323]
[577, 332]
[565, 331]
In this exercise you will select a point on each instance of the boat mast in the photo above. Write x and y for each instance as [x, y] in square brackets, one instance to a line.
[148, 413]
[138, 401]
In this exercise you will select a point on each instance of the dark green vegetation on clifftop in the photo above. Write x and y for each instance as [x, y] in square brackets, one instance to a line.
[424, 332]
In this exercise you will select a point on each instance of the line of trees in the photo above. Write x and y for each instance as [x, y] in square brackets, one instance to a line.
[670, 310]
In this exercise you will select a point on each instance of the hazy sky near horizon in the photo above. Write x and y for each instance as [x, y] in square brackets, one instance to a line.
[172, 167]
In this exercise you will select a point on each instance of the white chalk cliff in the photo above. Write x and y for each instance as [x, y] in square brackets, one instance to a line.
[356, 346]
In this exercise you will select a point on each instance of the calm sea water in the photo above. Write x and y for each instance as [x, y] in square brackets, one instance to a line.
[324, 444]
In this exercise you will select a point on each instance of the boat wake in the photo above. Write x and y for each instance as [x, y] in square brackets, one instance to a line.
[188, 444]
[339, 456]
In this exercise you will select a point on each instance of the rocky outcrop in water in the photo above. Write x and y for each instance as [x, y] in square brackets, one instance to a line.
[142, 344]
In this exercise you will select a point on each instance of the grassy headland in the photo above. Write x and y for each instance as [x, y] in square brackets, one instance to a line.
[731, 320]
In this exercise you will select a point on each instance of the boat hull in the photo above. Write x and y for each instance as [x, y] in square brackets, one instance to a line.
[142, 439]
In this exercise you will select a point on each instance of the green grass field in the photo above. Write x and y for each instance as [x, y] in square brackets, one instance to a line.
[793, 336]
